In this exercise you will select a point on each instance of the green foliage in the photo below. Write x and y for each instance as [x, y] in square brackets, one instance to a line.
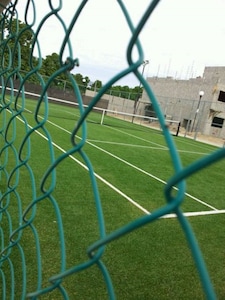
[96, 85]
[16, 48]
[50, 65]
[18, 54]
[125, 92]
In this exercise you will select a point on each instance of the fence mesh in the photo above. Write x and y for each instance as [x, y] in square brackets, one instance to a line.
[16, 141]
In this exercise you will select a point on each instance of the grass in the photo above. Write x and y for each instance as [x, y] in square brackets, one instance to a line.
[152, 262]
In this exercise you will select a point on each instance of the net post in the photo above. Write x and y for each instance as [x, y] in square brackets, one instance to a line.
[103, 115]
[178, 129]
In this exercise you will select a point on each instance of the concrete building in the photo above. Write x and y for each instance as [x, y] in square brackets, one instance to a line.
[184, 101]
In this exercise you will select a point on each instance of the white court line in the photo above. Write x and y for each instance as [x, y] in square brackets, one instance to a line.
[125, 144]
[150, 175]
[138, 169]
[197, 213]
[192, 152]
[142, 146]
[139, 138]
[160, 147]
[166, 148]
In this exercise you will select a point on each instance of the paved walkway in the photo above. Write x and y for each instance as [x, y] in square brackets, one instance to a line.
[219, 142]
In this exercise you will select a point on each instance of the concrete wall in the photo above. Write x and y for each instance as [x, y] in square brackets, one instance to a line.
[119, 104]
[179, 99]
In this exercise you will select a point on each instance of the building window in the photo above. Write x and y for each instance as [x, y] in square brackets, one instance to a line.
[217, 122]
[221, 96]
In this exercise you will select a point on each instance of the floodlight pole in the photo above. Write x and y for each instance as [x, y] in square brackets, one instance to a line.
[201, 93]
[144, 64]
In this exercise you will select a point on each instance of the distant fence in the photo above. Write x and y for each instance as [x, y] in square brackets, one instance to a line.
[182, 110]
[61, 94]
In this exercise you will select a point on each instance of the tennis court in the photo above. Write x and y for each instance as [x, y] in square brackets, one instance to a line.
[131, 164]
[135, 161]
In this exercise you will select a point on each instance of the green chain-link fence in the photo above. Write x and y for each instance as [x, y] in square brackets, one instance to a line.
[16, 55]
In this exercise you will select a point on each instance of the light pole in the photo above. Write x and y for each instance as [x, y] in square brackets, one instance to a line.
[144, 64]
[84, 85]
[201, 93]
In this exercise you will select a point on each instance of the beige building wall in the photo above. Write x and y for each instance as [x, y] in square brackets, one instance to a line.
[179, 100]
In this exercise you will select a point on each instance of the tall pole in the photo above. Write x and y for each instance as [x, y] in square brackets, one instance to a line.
[144, 64]
[201, 93]
[84, 86]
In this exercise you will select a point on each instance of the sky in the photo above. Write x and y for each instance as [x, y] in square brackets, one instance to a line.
[180, 38]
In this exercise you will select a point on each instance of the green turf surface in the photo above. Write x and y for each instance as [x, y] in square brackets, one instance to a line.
[153, 262]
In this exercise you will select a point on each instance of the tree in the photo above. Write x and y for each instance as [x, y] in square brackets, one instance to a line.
[136, 93]
[50, 65]
[79, 78]
[17, 56]
[96, 85]
[19, 41]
